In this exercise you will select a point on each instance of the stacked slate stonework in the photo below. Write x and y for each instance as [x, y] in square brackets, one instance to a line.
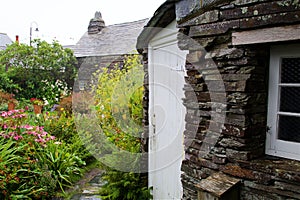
[234, 145]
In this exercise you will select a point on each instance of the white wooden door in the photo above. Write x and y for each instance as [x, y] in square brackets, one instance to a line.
[166, 114]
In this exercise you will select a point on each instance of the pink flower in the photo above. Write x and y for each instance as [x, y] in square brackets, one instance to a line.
[31, 133]
[22, 115]
[28, 127]
[17, 137]
[40, 140]
[12, 134]
[44, 133]
[5, 136]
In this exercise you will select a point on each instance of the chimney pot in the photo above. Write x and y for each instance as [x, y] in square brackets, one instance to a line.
[96, 24]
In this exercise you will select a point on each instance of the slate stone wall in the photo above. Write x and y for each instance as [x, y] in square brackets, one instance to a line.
[239, 150]
[89, 65]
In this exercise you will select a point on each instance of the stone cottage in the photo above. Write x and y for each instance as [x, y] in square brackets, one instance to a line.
[4, 41]
[103, 46]
[240, 117]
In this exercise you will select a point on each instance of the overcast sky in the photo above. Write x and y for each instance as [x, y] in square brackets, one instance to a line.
[67, 20]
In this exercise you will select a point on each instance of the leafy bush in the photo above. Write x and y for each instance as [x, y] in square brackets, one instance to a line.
[22, 142]
[43, 70]
[34, 164]
[17, 179]
[6, 83]
[125, 185]
[60, 162]
[63, 126]
[118, 97]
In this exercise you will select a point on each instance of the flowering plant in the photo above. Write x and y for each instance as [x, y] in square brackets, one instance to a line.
[13, 125]
[34, 162]
[36, 101]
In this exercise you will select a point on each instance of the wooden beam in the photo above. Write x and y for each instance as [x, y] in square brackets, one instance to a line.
[274, 34]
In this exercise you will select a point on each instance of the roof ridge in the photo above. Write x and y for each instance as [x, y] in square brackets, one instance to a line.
[125, 23]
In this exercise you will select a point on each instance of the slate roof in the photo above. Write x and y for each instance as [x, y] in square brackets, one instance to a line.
[117, 39]
[4, 40]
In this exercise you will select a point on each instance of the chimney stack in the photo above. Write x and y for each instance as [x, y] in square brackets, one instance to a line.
[96, 24]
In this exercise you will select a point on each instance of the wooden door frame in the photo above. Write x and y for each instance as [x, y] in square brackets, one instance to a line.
[160, 40]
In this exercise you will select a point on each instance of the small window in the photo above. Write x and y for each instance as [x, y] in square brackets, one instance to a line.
[283, 137]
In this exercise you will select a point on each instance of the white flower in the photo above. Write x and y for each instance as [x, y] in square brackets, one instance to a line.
[57, 143]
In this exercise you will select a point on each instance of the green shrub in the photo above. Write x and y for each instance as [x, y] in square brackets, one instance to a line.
[118, 97]
[19, 143]
[63, 127]
[34, 164]
[42, 70]
[125, 185]
[60, 162]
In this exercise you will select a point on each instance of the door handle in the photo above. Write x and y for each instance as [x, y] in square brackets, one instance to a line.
[153, 123]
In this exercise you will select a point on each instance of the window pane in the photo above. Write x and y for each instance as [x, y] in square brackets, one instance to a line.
[290, 99]
[290, 70]
[289, 128]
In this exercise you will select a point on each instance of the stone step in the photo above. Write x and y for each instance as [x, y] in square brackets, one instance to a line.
[85, 197]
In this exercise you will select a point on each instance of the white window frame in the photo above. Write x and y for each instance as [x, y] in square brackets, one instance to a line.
[275, 146]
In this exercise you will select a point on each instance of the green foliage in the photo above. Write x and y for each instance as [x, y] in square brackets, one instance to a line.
[118, 97]
[125, 185]
[119, 104]
[60, 162]
[19, 144]
[63, 126]
[35, 164]
[42, 71]
[6, 83]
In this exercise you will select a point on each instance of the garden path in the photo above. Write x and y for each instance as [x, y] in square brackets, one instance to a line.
[88, 187]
